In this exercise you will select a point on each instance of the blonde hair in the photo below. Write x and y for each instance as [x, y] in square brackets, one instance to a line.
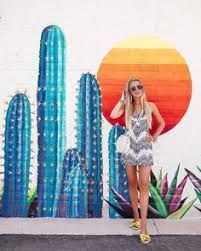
[130, 104]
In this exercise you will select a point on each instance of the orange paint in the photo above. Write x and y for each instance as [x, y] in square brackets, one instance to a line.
[163, 71]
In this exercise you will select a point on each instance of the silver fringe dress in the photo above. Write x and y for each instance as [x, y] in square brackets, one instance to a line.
[141, 151]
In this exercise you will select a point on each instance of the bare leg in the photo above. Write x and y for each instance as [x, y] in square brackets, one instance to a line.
[133, 192]
[144, 173]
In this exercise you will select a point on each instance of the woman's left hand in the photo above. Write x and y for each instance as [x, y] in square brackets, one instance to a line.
[150, 138]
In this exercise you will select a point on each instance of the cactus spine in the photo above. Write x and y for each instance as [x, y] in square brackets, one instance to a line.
[51, 118]
[17, 157]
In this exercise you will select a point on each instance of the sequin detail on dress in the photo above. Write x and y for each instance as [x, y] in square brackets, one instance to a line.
[141, 151]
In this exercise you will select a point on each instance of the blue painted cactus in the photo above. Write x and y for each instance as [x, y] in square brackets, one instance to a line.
[17, 157]
[77, 190]
[51, 119]
[117, 172]
[89, 139]
[73, 196]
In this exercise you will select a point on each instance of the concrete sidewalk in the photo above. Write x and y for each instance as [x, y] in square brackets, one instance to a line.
[97, 226]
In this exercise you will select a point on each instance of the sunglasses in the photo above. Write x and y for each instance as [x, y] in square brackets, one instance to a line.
[134, 88]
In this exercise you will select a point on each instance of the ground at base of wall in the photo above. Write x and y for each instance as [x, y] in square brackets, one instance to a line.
[91, 242]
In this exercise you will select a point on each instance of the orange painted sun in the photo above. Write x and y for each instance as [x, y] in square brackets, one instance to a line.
[160, 67]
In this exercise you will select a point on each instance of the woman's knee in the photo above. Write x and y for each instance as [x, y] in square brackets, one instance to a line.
[144, 185]
[132, 183]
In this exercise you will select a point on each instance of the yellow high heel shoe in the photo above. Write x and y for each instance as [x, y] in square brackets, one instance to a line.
[145, 238]
[135, 225]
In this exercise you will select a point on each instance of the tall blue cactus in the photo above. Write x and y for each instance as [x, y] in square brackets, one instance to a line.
[17, 157]
[73, 197]
[89, 139]
[117, 173]
[51, 118]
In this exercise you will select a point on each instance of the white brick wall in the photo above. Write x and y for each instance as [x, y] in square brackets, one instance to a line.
[92, 27]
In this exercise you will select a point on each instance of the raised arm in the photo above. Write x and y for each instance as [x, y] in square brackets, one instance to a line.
[119, 108]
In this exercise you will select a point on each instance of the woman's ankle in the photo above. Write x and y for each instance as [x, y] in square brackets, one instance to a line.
[136, 218]
[143, 231]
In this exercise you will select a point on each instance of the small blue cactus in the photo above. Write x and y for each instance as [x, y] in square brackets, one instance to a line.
[73, 196]
[17, 157]
[117, 173]
[89, 139]
[77, 190]
[51, 119]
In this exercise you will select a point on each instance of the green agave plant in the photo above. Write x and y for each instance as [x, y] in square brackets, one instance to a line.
[197, 184]
[165, 201]
[32, 202]
[31, 195]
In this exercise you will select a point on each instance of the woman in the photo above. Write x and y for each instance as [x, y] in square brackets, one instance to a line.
[138, 110]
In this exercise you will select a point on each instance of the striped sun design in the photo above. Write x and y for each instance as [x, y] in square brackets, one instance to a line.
[160, 67]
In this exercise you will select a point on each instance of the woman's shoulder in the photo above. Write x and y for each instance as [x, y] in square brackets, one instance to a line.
[152, 105]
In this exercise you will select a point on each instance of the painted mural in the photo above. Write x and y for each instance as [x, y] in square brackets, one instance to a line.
[70, 180]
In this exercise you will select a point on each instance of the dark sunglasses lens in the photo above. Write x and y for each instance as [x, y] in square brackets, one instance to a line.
[137, 87]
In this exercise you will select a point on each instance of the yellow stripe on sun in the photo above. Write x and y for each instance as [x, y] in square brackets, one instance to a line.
[143, 50]
[143, 42]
